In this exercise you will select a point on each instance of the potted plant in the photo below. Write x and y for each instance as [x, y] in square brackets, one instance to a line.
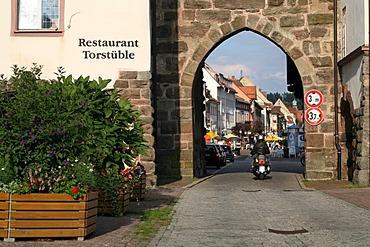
[54, 133]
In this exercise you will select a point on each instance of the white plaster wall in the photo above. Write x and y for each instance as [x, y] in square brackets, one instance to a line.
[352, 76]
[210, 83]
[92, 19]
[357, 21]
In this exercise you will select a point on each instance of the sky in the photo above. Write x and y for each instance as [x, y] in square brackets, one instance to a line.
[253, 56]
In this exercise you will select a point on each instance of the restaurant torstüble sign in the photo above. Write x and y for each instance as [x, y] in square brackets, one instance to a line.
[121, 48]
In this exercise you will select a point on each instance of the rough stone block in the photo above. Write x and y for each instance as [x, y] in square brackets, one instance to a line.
[213, 15]
[252, 20]
[314, 140]
[120, 83]
[278, 37]
[215, 34]
[164, 142]
[301, 34]
[239, 4]
[275, 3]
[320, 19]
[318, 32]
[196, 29]
[292, 21]
[127, 75]
[188, 15]
[238, 22]
[197, 4]
[295, 53]
[267, 29]
[168, 127]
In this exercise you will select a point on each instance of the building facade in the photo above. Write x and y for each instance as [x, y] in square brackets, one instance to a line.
[157, 62]
[354, 75]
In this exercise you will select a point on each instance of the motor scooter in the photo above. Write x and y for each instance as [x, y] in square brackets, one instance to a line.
[260, 166]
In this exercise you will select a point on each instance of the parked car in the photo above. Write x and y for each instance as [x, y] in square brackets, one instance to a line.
[229, 153]
[213, 157]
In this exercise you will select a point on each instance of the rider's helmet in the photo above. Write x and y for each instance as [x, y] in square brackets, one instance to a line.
[260, 138]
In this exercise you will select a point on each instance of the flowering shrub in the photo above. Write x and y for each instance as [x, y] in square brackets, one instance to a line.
[52, 132]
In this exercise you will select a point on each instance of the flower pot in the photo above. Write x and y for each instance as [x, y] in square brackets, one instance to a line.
[138, 190]
[48, 215]
[106, 204]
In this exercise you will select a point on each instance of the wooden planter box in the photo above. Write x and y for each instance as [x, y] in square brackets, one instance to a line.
[47, 216]
[4, 214]
[138, 191]
[105, 205]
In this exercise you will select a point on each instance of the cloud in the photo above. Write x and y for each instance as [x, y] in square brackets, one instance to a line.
[278, 75]
[229, 70]
[253, 56]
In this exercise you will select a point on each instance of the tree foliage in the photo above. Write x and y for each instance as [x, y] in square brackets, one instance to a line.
[287, 98]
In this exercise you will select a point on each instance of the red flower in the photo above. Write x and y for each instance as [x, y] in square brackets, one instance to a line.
[75, 190]
[29, 185]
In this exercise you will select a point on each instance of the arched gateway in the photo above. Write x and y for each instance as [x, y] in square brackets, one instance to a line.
[186, 31]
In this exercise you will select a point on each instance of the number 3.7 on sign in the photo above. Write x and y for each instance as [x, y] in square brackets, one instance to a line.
[314, 116]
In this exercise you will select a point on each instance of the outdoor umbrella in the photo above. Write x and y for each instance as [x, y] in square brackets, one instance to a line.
[212, 134]
[272, 138]
[230, 136]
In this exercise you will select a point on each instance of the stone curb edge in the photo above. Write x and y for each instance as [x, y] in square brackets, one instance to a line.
[300, 178]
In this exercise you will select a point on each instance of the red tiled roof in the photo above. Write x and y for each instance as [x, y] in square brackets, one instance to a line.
[250, 91]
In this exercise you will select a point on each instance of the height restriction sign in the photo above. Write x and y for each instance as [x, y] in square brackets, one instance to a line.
[314, 116]
[313, 98]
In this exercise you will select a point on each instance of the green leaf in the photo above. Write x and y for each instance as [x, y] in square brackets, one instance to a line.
[108, 112]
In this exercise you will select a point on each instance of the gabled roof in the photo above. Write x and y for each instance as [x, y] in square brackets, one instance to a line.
[249, 91]
[258, 93]
[283, 108]
[246, 82]
[237, 87]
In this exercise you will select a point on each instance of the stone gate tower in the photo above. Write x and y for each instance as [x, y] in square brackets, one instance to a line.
[186, 32]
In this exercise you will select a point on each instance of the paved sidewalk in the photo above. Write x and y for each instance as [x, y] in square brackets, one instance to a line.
[268, 217]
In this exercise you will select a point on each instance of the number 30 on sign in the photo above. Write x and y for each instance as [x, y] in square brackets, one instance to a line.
[314, 116]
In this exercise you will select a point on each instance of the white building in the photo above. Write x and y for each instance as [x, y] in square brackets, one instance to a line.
[88, 38]
[290, 118]
[221, 89]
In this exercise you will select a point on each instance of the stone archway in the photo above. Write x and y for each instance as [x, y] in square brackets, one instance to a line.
[189, 30]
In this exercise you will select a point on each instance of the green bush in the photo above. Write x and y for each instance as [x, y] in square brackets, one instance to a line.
[66, 129]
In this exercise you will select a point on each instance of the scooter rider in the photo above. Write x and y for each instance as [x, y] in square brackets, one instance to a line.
[259, 148]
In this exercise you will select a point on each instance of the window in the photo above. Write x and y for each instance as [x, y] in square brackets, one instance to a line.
[37, 17]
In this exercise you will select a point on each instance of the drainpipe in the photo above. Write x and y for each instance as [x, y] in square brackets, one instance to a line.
[336, 119]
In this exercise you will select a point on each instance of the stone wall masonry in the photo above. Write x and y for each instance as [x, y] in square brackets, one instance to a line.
[362, 127]
[136, 86]
[302, 28]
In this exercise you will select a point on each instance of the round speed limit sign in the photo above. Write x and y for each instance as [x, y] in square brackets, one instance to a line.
[314, 116]
[313, 98]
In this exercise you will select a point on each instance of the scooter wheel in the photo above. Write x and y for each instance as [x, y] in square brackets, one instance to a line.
[261, 176]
